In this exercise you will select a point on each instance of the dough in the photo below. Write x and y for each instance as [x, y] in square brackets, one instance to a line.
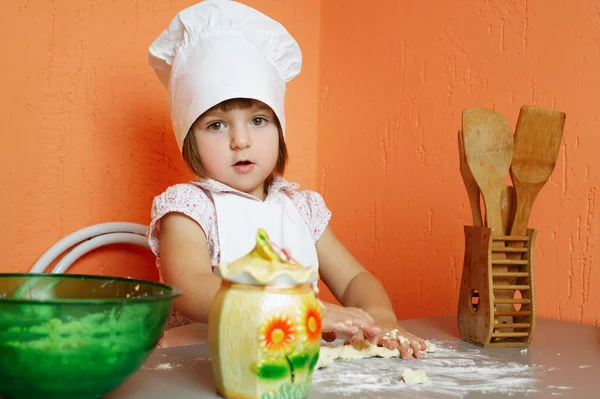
[394, 335]
[430, 347]
[366, 349]
[328, 354]
[412, 377]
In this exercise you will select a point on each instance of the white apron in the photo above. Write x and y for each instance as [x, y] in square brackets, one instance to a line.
[239, 218]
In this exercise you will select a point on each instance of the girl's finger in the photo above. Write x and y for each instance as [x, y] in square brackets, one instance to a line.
[356, 338]
[372, 332]
[417, 351]
[346, 328]
[406, 351]
[390, 343]
[372, 338]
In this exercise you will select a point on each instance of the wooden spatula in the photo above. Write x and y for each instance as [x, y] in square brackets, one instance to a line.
[489, 145]
[488, 142]
[507, 207]
[537, 143]
[470, 183]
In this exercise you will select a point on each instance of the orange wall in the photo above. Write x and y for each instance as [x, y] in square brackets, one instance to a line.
[383, 85]
[395, 76]
[86, 132]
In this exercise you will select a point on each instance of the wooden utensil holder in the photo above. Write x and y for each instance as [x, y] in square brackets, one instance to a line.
[490, 286]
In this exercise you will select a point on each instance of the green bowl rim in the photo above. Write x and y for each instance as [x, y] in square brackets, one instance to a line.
[173, 291]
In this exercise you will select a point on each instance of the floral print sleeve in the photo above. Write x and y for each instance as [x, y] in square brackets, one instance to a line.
[312, 207]
[188, 199]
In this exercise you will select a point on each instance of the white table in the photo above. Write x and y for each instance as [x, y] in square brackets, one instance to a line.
[562, 361]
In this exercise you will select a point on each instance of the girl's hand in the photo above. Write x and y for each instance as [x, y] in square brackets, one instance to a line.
[342, 322]
[393, 336]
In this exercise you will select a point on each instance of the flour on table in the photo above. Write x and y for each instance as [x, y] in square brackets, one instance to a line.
[559, 387]
[162, 366]
[454, 370]
[412, 377]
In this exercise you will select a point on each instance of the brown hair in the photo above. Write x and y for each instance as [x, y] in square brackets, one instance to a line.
[190, 147]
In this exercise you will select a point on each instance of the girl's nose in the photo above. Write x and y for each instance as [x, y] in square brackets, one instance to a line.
[240, 138]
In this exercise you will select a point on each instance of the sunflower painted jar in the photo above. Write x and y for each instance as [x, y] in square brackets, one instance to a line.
[265, 325]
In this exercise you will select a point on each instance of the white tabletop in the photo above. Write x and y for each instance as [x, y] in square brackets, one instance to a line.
[562, 361]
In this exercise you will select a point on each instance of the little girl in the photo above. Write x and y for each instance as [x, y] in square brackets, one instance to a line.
[226, 66]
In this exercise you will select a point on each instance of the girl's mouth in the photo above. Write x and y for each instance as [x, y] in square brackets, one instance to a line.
[243, 166]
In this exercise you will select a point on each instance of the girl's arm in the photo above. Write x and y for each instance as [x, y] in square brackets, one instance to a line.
[185, 263]
[355, 287]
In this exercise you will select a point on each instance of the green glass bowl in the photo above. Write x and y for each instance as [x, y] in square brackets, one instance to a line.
[75, 336]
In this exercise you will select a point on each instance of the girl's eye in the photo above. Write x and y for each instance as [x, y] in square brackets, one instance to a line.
[216, 126]
[259, 121]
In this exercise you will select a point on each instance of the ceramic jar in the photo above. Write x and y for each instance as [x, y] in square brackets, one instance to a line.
[264, 340]
[265, 331]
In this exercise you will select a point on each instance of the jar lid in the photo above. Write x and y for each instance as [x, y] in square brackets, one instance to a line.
[267, 264]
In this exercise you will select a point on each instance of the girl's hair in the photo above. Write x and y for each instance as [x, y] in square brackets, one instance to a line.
[190, 147]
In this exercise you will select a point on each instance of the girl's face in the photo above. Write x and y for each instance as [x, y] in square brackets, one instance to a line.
[239, 147]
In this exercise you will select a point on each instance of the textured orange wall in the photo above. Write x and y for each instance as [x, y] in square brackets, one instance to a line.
[395, 76]
[86, 136]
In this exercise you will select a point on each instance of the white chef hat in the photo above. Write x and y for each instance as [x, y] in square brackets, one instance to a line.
[217, 50]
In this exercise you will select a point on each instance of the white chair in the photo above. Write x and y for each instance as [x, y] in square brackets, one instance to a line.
[89, 238]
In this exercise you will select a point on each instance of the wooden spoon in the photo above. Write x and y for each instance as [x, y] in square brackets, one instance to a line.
[537, 143]
[489, 145]
[507, 207]
[470, 183]
[489, 149]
